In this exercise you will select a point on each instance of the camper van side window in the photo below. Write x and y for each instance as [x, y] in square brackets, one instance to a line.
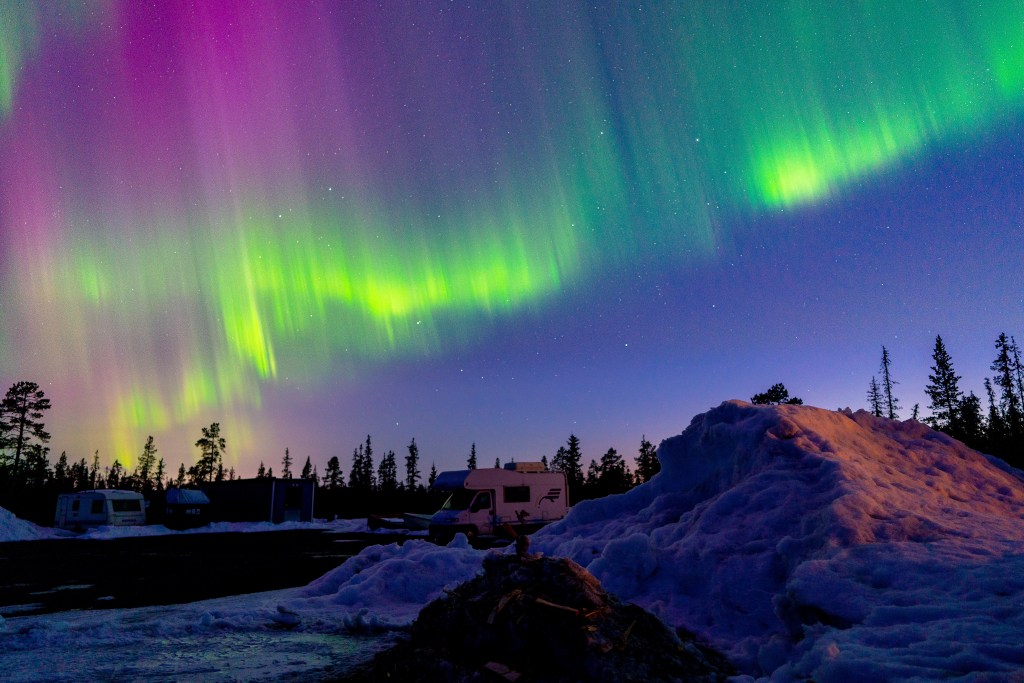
[482, 502]
[97, 507]
[517, 494]
[75, 504]
[127, 505]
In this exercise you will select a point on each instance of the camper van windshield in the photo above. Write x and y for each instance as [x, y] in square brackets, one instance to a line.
[459, 500]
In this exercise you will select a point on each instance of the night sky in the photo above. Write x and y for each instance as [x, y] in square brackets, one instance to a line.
[495, 222]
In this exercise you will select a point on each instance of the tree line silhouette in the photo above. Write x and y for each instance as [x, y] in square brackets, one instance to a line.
[29, 484]
[997, 429]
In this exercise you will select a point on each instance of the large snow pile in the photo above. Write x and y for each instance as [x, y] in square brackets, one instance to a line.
[15, 529]
[806, 543]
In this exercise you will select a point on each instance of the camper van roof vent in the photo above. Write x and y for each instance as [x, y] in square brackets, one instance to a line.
[525, 466]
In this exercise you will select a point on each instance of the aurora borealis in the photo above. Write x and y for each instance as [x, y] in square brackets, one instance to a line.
[494, 223]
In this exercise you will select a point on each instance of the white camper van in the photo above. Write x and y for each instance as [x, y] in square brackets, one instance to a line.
[106, 507]
[522, 496]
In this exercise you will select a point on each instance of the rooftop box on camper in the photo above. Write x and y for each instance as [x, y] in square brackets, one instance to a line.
[106, 507]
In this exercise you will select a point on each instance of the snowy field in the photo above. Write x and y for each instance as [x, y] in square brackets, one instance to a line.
[14, 529]
[800, 542]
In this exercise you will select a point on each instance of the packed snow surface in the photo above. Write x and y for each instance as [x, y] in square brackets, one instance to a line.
[307, 633]
[802, 543]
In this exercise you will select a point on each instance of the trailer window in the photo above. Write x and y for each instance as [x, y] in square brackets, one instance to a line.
[129, 505]
[517, 494]
[97, 507]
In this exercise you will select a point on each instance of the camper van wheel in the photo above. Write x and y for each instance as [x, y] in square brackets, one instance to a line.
[471, 533]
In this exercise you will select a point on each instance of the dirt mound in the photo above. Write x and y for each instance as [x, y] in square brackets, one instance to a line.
[532, 619]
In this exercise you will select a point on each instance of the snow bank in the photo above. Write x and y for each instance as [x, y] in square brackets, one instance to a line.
[386, 586]
[340, 526]
[15, 529]
[808, 543]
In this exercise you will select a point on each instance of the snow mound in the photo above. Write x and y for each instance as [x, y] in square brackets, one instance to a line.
[386, 586]
[15, 529]
[810, 543]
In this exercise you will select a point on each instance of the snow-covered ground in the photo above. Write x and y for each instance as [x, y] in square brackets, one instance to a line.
[802, 543]
[303, 633]
[14, 529]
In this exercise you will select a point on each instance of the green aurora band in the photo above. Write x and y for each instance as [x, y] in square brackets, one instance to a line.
[313, 286]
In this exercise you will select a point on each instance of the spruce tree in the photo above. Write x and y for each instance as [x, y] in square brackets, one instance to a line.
[573, 459]
[80, 475]
[471, 462]
[614, 476]
[943, 389]
[995, 431]
[412, 466]
[62, 474]
[307, 470]
[433, 475]
[875, 398]
[647, 463]
[558, 463]
[332, 475]
[368, 477]
[37, 466]
[1005, 378]
[147, 462]
[891, 403]
[972, 424]
[1017, 369]
[1010, 441]
[387, 473]
[115, 474]
[261, 471]
[159, 476]
[355, 477]
[94, 471]
[286, 465]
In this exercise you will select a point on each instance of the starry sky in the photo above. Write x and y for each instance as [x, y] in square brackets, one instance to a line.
[495, 223]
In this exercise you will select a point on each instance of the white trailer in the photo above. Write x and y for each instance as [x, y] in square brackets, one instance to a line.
[519, 498]
[105, 507]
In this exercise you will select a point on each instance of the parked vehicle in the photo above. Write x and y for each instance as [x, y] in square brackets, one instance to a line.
[519, 498]
[105, 507]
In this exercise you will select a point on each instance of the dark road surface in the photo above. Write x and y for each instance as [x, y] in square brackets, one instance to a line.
[37, 577]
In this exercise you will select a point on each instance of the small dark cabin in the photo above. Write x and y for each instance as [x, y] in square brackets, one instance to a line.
[263, 499]
[185, 508]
